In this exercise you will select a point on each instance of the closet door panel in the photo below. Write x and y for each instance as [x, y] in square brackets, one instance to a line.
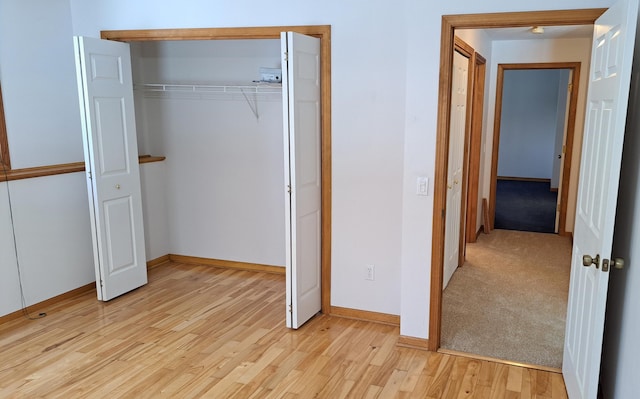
[301, 107]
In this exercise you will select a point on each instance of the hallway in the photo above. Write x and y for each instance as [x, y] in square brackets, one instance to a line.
[506, 303]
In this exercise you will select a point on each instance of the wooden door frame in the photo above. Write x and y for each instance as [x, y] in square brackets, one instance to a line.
[5, 160]
[323, 32]
[475, 145]
[449, 24]
[574, 67]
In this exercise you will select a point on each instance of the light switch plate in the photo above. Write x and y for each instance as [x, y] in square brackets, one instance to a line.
[422, 186]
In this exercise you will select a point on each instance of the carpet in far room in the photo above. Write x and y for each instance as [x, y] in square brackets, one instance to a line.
[525, 206]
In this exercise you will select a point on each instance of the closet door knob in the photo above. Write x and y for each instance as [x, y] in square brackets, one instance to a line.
[117, 187]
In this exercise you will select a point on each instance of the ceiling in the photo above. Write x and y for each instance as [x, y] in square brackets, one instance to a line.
[550, 32]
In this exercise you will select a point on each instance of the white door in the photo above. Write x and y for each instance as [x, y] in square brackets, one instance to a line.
[610, 73]
[455, 166]
[301, 108]
[111, 157]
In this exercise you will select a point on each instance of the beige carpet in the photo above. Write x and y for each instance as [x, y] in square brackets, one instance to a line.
[509, 300]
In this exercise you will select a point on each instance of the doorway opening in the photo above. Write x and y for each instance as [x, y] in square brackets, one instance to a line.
[535, 121]
[449, 24]
[322, 32]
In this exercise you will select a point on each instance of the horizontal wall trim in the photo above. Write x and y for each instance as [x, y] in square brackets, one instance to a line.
[412, 342]
[40, 171]
[539, 179]
[59, 169]
[48, 303]
[365, 315]
[229, 264]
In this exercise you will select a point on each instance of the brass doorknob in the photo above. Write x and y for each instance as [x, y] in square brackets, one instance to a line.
[618, 263]
[587, 260]
[117, 187]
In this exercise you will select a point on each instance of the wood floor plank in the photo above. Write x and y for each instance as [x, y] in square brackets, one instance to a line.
[525, 390]
[414, 371]
[514, 379]
[199, 331]
[469, 380]
[558, 390]
[499, 382]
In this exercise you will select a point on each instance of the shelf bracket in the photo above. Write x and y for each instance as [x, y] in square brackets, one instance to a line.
[252, 104]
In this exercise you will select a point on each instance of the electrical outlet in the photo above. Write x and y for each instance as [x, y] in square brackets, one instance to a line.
[371, 272]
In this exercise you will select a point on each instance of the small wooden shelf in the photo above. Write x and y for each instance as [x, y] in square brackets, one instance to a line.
[150, 158]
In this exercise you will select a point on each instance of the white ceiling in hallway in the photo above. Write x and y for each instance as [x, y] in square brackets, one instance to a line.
[550, 32]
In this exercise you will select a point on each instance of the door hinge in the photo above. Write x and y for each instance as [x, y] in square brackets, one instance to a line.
[286, 56]
[89, 174]
[289, 188]
[290, 309]
[101, 283]
[570, 86]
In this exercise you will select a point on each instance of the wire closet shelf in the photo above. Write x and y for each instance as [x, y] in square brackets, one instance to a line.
[255, 88]
[250, 92]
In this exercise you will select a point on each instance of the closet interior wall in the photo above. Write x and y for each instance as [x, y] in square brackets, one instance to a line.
[222, 193]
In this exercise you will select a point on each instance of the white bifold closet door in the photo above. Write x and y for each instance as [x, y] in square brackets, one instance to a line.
[111, 159]
[113, 180]
[301, 109]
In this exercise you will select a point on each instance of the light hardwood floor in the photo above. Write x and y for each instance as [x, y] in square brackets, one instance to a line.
[199, 331]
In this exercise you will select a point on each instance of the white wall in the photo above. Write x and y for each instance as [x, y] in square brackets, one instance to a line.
[224, 181]
[41, 108]
[531, 51]
[423, 22]
[9, 287]
[207, 61]
[368, 120]
[384, 117]
[528, 123]
[53, 238]
[39, 83]
[621, 348]
[153, 177]
[384, 120]
[385, 61]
